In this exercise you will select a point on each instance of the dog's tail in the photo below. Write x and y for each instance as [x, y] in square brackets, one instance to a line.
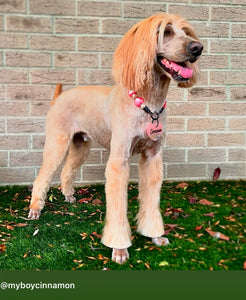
[58, 91]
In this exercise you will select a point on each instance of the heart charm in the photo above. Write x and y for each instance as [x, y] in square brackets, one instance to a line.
[138, 101]
[154, 131]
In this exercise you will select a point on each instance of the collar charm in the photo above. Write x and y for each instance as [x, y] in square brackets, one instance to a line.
[154, 129]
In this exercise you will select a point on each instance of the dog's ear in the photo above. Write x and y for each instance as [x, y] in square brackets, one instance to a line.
[195, 66]
[136, 53]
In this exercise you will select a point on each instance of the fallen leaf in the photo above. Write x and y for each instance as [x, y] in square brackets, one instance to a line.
[2, 248]
[199, 227]
[217, 235]
[244, 265]
[192, 200]
[85, 200]
[216, 175]
[25, 255]
[35, 232]
[147, 265]
[205, 202]
[202, 249]
[97, 235]
[182, 185]
[21, 224]
[163, 264]
[97, 201]
[209, 215]
[10, 227]
[83, 191]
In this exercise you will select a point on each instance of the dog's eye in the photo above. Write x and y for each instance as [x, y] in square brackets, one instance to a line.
[187, 31]
[168, 31]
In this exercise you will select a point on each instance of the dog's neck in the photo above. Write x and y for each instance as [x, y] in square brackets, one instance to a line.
[155, 95]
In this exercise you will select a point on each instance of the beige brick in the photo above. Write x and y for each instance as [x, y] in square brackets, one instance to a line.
[94, 157]
[27, 59]
[175, 94]
[24, 159]
[227, 109]
[52, 42]
[39, 109]
[13, 40]
[54, 7]
[205, 124]
[18, 109]
[190, 12]
[142, 10]
[185, 140]
[238, 93]
[97, 43]
[92, 172]
[13, 6]
[1, 58]
[238, 30]
[228, 46]
[2, 88]
[229, 170]
[175, 124]
[3, 159]
[186, 171]
[206, 155]
[238, 1]
[231, 13]
[237, 155]
[99, 8]
[225, 139]
[214, 1]
[214, 61]
[29, 24]
[52, 76]
[25, 125]
[203, 78]
[13, 76]
[237, 124]
[211, 29]
[76, 60]
[14, 142]
[186, 109]
[38, 142]
[2, 125]
[228, 77]
[207, 93]
[29, 92]
[97, 77]
[117, 26]
[76, 25]
[16, 175]
[1, 23]
[106, 60]
[133, 176]
[173, 155]
[238, 61]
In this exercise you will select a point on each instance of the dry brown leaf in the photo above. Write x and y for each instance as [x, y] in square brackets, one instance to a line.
[96, 201]
[10, 227]
[244, 265]
[217, 235]
[205, 202]
[2, 248]
[182, 185]
[147, 265]
[21, 224]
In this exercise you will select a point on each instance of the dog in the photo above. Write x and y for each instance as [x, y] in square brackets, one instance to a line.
[126, 119]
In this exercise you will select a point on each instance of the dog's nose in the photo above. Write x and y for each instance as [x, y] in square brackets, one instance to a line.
[195, 48]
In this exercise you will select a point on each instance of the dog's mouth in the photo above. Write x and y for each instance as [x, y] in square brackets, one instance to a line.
[178, 71]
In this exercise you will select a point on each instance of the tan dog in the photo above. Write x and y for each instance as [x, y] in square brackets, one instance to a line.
[127, 118]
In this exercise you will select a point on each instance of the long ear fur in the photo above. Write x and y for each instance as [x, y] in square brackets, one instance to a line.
[136, 54]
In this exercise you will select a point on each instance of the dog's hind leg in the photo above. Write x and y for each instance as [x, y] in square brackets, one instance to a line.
[55, 149]
[149, 219]
[78, 152]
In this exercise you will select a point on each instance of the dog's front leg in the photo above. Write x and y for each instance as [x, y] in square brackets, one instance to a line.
[117, 233]
[149, 218]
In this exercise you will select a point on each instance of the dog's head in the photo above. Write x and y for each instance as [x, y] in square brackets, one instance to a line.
[161, 46]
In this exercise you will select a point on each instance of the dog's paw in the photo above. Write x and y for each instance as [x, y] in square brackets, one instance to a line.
[120, 256]
[34, 214]
[160, 241]
[70, 199]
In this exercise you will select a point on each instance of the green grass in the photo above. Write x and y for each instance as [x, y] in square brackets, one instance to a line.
[68, 235]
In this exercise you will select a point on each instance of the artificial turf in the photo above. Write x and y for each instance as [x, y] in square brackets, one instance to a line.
[67, 236]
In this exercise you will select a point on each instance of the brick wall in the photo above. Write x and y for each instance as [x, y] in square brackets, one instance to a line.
[44, 42]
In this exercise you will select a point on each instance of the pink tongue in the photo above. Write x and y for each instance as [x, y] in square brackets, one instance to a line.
[183, 71]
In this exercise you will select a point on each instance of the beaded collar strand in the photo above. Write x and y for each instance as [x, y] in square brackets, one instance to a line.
[139, 102]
